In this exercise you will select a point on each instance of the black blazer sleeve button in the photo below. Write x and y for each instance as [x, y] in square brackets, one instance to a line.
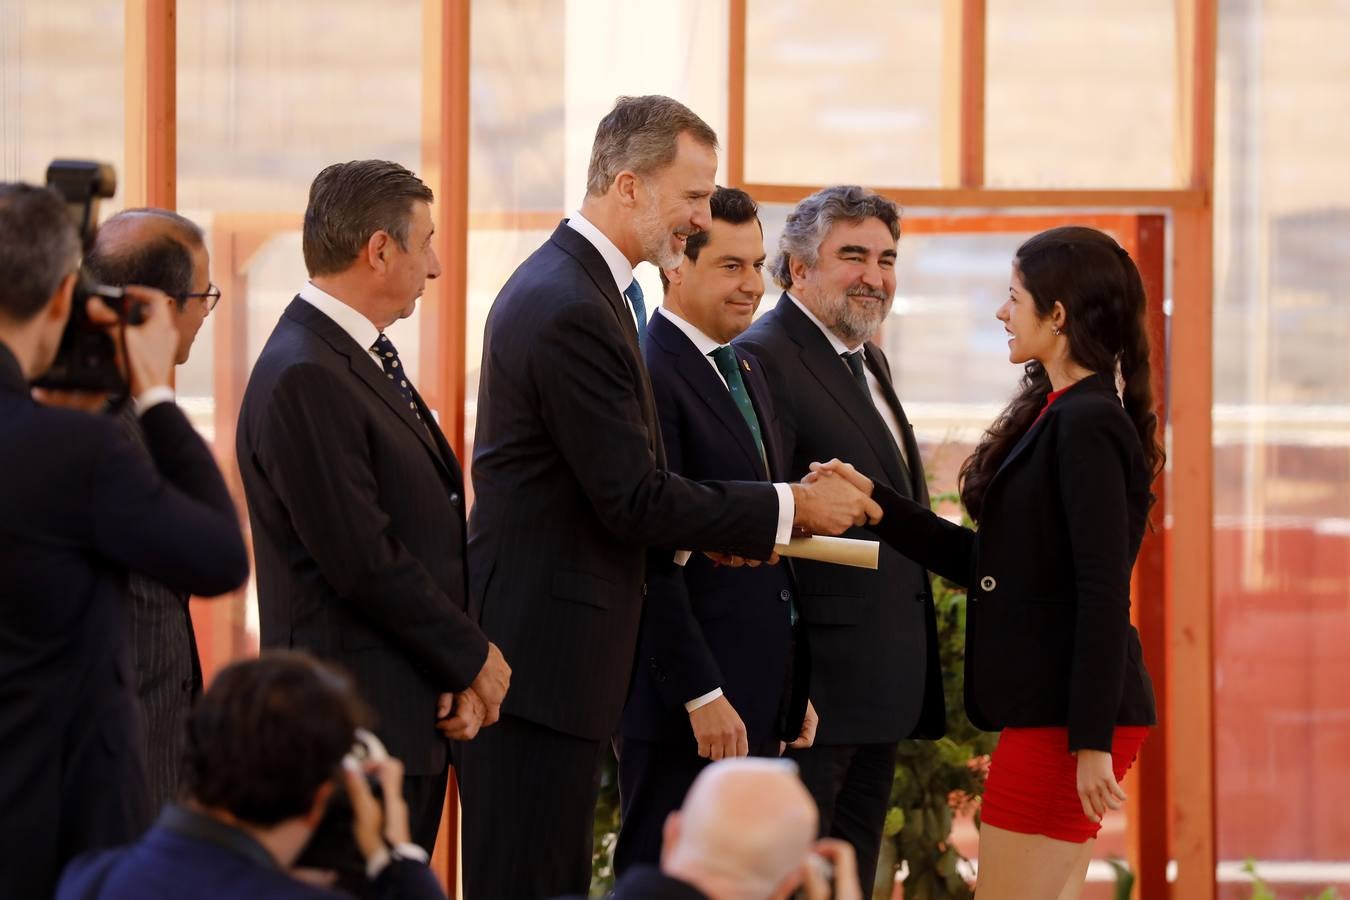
[987, 583]
[454, 499]
[785, 595]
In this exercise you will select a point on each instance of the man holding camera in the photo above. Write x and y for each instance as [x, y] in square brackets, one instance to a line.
[78, 508]
[160, 249]
[267, 747]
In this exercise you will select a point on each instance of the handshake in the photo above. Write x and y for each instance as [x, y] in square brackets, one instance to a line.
[831, 500]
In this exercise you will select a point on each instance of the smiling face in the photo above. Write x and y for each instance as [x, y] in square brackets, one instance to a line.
[852, 285]
[719, 292]
[673, 202]
[1030, 334]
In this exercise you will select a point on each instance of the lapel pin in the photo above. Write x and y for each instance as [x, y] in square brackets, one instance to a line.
[745, 365]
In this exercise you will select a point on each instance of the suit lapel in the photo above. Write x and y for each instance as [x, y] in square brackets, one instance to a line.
[595, 267]
[881, 369]
[368, 372]
[699, 375]
[820, 360]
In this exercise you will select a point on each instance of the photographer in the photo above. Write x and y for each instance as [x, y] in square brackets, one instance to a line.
[266, 746]
[79, 506]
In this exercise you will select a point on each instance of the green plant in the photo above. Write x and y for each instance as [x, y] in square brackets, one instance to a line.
[1261, 891]
[1124, 878]
[606, 828]
[936, 779]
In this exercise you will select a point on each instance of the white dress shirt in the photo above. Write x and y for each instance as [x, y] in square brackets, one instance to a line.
[361, 329]
[874, 386]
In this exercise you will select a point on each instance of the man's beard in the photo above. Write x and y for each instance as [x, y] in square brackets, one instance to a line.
[655, 239]
[854, 323]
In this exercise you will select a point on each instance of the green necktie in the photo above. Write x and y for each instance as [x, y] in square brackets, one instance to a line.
[725, 358]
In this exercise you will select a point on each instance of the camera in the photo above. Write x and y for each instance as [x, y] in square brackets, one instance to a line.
[333, 845]
[87, 357]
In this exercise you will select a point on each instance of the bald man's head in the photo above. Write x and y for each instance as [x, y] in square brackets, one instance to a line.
[743, 832]
[157, 248]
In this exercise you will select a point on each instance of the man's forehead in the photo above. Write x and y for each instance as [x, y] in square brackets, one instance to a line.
[870, 232]
[734, 239]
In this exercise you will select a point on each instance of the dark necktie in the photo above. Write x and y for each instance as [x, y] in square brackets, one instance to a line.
[854, 361]
[634, 295]
[855, 365]
[393, 370]
[725, 358]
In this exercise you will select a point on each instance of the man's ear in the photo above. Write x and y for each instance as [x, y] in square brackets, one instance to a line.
[320, 804]
[797, 269]
[58, 307]
[670, 835]
[676, 275]
[626, 187]
[378, 247]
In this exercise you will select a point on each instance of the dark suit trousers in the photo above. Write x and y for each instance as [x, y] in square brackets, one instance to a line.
[425, 796]
[654, 777]
[528, 795]
[851, 784]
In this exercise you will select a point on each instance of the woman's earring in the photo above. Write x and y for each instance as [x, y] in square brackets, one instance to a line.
[1055, 332]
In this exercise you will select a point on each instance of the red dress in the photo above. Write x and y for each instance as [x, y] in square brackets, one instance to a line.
[1033, 778]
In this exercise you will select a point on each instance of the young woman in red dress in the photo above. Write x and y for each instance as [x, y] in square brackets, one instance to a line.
[1059, 489]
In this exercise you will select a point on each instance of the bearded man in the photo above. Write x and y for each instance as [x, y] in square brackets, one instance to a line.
[875, 670]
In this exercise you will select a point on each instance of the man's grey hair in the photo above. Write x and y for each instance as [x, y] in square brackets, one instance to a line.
[39, 248]
[811, 221]
[640, 135]
[348, 202]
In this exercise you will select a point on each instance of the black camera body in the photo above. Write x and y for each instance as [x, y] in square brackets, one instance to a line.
[87, 357]
[333, 845]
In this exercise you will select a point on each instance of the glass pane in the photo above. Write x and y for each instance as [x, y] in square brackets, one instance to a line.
[834, 98]
[55, 61]
[264, 103]
[1282, 443]
[1080, 94]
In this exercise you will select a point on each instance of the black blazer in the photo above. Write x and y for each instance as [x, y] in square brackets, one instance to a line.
[1048, 634]
[570, 490]
[358, 528]
[876, 673]
[708, 626]
[649, 883]
[79, 506]
[188, 854]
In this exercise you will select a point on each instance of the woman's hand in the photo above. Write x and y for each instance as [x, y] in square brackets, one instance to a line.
[1098, 789]
[846, 470]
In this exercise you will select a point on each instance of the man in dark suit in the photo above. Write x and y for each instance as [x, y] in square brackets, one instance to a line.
[79, 506]
[569, 475]
[356, 499]
[263, 746]
[163, 250]
[716, 673]
[875, 676]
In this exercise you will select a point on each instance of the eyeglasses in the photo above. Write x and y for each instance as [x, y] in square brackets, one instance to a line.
[211, 296]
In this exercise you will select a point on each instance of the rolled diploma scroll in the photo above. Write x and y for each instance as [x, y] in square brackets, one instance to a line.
[841, 551]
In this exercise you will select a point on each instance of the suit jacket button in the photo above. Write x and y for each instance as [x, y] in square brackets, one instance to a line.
[454, 499]
[987, 583]
[644, 588]
[785, 595]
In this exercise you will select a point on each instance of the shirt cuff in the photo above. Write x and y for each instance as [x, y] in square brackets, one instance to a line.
[703, 701]
[382, 857]
[682, 557]
[787, 511]
[153, 397]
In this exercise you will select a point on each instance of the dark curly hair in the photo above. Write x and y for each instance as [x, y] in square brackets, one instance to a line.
[1103, 297]
[268, 734]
